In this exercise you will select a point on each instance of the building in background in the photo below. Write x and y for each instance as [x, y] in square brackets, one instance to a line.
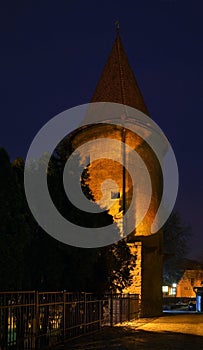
[192, 276]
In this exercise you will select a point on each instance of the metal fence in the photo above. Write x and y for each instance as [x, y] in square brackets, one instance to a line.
[36, 320]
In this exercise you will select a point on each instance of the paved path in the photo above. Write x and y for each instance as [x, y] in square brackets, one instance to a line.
[179, 331]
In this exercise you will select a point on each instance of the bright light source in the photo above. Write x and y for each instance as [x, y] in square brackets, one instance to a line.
[165, 289]
[174, 285]
[172, 291]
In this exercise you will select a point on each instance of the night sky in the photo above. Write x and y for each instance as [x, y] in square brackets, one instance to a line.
[52, 55]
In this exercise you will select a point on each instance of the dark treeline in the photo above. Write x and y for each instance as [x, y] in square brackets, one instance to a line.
[30, 259]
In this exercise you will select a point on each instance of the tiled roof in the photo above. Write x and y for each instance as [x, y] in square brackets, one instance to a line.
[117, 82]
[188, 264]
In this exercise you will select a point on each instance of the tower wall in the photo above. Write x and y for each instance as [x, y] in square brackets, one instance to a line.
[136, 286]
[147, 275]
[152, 259]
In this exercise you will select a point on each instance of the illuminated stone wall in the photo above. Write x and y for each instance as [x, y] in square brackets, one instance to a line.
[106, 169]
[147, 275]
[136, 286]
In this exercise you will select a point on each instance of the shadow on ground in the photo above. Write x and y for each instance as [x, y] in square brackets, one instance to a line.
[121, 338]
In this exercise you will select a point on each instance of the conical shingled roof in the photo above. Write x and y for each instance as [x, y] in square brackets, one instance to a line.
[117, 82]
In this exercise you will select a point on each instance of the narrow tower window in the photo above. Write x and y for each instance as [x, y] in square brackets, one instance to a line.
[115, 195]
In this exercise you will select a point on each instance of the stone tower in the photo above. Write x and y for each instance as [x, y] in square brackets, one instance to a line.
[117, 84]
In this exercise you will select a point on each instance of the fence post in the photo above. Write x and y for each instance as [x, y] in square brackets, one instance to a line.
[36, 319]
[100, 313]
[64, 316]
[121, 307]
[4, 319]
[129, 302]
[111, 309]
[85, 312]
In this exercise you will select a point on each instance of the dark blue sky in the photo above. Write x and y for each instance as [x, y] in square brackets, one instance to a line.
[52, 54]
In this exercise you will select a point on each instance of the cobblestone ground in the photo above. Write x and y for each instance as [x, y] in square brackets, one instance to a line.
[171, 331]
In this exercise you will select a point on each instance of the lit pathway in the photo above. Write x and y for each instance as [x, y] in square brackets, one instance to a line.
[171, 332]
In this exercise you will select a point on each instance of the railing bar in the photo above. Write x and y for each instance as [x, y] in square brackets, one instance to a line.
[14, 306]
[18, 292]
[48, 293]
[50, 304]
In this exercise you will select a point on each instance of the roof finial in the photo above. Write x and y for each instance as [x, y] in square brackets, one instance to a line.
[117, 24]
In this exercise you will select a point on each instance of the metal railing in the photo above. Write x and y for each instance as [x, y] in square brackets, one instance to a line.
[36, 320]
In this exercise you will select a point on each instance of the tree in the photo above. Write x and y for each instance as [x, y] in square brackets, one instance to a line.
[32, 259]
[13, 227]
[176, 236]
[101, 269]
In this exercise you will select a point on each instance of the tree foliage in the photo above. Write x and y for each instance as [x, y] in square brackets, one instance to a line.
[176, 237]
[13, 226]
[31, 259]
